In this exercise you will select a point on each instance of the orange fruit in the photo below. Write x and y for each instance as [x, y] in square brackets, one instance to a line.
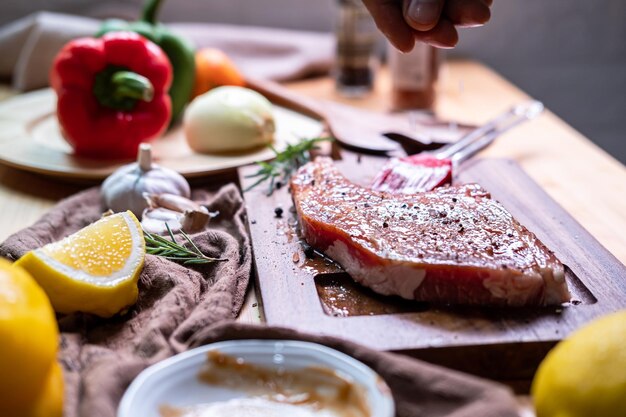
[213, 69]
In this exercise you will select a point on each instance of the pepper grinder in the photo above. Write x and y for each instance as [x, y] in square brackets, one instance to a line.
[356, 37]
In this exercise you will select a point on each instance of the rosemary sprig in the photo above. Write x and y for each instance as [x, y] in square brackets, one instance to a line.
[160, 246]
[284, 163]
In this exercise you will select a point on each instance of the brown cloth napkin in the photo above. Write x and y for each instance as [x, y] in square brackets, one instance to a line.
[29, 46]
[101, 357]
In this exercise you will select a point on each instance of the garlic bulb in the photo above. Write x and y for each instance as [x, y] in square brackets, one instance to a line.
[125, 188]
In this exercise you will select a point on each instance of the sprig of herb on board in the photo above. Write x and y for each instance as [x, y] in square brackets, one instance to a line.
[170, 249]
[280, 169]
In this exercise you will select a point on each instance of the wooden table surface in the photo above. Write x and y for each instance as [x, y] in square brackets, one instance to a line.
[581, 177]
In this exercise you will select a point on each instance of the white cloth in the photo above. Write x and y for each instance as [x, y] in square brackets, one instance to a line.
[28, 47]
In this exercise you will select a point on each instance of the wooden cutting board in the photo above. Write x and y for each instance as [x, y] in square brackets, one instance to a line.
[315, 295]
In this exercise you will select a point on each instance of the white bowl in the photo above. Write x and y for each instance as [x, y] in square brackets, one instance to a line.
[175, 381]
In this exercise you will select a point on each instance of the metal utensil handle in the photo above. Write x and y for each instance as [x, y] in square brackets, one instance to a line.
[481, 143]
[474, 148]
[512, 117]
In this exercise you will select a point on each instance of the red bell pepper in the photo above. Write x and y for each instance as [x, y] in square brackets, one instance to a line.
[112, 94]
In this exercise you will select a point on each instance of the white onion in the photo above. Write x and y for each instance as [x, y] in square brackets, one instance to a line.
[228, 119]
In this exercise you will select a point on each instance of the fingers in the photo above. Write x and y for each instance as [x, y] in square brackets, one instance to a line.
[455, 13]
[388, 17]
[443, 35]
[422, 15]
[468, 13]
[429, 21]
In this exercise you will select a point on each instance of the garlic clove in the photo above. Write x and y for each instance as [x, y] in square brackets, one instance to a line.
[179, 213]
[195, 221]
[153, 220]
[173, 202]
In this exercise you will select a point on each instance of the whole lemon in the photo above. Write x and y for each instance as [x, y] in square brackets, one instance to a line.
[49, 403]
[28, 340]
[585, 375]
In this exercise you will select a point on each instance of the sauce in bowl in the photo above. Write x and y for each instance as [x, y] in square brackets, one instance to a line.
[275, 392]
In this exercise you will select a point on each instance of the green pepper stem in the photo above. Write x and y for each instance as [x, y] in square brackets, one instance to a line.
[132, 85]
[150, 10]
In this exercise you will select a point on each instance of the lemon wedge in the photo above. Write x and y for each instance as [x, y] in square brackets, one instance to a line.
[95, 270]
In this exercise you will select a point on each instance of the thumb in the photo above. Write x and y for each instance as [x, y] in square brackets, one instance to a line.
[422, 15]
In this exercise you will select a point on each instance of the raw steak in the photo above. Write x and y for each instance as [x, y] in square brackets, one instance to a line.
[453, 245]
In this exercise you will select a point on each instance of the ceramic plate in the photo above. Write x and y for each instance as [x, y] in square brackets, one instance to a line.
[30, 139]
[174, 382]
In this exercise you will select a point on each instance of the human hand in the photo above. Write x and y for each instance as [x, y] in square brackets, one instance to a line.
[431, 21]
